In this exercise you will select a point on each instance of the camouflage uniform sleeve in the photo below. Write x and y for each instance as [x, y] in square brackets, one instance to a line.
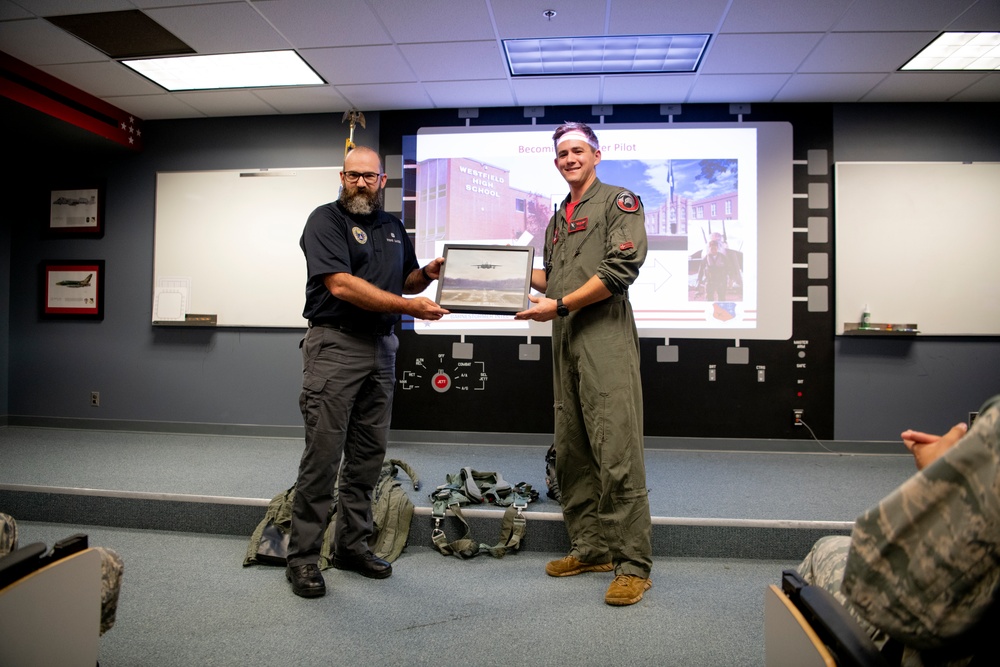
[8, 534]
[112, 568]
[924, 563]
[824, 567]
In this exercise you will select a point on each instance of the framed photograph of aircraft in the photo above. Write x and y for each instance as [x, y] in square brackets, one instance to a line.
[77, 212]
[487, 279]
[73, 289]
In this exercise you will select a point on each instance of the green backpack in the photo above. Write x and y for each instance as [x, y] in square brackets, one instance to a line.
[392, 511]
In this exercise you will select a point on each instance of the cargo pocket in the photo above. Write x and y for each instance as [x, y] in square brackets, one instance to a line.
[309, 399]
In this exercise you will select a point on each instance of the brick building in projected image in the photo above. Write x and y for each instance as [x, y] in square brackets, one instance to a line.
[467, 201]
[462, 200]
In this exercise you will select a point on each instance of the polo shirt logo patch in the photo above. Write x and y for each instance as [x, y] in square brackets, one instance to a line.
[577, 225]
[627, 202]
[359, 235]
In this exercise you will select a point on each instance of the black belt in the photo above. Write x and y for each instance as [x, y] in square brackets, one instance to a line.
[340, 326]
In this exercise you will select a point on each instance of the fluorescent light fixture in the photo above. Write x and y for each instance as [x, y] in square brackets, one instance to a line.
[959, 51]
[605, 55]
[262, 69]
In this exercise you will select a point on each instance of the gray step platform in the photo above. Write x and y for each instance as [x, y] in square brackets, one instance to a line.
[708, 498]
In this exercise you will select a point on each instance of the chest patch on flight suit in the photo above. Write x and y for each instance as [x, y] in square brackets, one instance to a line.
[359, 235]
[577, 225]
[627, 202]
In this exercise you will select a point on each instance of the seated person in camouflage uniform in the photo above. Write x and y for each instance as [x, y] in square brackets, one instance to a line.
[923, 566]
[111, 570]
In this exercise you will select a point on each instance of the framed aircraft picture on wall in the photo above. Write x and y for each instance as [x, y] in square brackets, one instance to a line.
[77, 212]
[72, 289]
[485, 278]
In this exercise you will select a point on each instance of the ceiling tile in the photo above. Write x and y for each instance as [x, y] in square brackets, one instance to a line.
[523, 18]
[38, 42]
[782, 16]
[56, 7]
[986, 89]
[736, 88]
[758, 53]
[548, 90]
[647, 89]
[666, 16]
[455, 61]
[9, 11]
[827, 87]
[103, 79]
[360, 64]
[386, 96]
[224, 28]
[865, 51]
[984, 15]
[154, 107]
[122, 34]
[921, 86]
[315, 99]
[319, 23]
[489, 93]
[434, 20]
[226, 103]
[895, 15]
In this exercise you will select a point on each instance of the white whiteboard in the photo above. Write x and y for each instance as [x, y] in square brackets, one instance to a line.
[227, 243]
[917, 242]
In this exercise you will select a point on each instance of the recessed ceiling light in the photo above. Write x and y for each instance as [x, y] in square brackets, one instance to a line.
[263, 69]
[959, 51]
[605, 55]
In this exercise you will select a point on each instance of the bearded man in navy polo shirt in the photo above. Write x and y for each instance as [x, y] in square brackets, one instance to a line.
[360, 262]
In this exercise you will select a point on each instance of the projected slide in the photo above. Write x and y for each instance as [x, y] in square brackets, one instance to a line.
[718, 217]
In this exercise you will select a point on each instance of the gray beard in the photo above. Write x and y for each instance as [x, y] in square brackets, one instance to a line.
[361, 203]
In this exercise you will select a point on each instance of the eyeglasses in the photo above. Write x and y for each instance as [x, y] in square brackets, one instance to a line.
[354, 176]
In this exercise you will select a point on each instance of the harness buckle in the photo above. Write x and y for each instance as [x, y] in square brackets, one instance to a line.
[520, 504]
[437, 532]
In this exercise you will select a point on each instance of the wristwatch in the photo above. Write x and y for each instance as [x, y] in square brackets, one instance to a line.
[561, 309]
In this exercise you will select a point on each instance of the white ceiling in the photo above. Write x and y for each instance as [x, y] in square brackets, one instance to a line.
[417, 54]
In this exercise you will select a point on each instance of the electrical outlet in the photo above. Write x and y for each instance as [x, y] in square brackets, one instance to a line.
[797, 414]
[95, 399]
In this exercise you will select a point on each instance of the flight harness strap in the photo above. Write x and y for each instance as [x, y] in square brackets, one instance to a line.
[468, 487]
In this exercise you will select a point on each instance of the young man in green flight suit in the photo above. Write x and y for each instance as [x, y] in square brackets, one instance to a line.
[594, 246]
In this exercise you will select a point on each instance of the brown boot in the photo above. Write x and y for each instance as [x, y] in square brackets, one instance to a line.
[570, 565]
[626, 589]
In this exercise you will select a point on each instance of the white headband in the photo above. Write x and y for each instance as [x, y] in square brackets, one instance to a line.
[575, 135]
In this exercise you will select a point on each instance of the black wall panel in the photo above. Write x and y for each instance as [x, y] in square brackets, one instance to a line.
[494, 391]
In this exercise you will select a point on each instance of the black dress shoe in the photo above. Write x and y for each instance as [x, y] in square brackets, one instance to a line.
[367, 564]
[306, 580]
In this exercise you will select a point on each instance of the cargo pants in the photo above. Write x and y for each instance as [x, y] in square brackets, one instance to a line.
[346, 403]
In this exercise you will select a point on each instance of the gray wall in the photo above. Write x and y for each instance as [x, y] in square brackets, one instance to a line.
[885, 386]
[5, 226]
[228, 376]
[243, 376]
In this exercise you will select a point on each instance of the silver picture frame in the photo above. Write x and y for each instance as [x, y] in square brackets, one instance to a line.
[486, 279]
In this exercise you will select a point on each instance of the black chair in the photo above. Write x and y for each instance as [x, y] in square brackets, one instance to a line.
[51, 604]
[806, 625]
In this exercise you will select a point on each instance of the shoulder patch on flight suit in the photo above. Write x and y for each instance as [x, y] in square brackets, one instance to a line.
[627, 201]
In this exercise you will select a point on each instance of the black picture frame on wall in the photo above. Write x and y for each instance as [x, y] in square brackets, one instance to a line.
[76, 210]
[72, 289]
